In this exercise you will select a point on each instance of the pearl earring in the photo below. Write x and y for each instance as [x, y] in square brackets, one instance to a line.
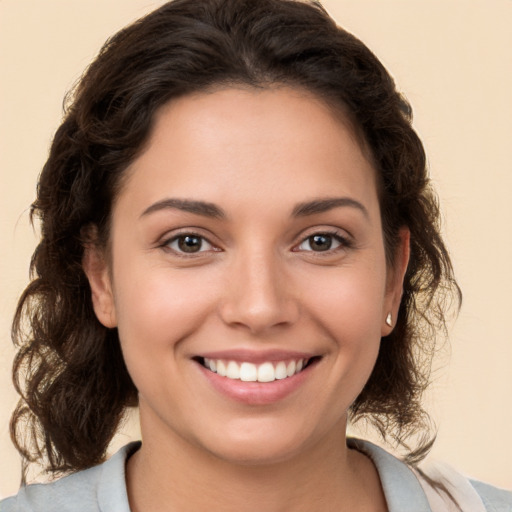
[389, 320]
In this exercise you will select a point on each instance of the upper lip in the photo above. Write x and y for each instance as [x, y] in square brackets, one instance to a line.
[257, 356]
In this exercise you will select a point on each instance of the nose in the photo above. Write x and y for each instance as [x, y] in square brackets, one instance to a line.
[259, 296]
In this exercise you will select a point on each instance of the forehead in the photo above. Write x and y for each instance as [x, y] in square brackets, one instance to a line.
[279, 141]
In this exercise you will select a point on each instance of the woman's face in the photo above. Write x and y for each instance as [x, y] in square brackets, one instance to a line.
[247, 240]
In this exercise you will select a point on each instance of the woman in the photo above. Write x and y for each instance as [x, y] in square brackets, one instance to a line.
[239, 237]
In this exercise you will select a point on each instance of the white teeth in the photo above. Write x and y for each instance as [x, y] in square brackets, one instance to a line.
[266, 372]
[281, 371]
[290, 369]
[221, 368]
[249, 372]
[233, 370]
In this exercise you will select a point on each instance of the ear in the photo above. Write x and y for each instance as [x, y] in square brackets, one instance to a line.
[395, 281]
[96, 269]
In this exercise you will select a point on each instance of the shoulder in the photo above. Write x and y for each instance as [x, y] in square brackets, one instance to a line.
[399, 483]
[468, 494]
[404, 485]
[98, 488]
[494, 499]
[73, 492]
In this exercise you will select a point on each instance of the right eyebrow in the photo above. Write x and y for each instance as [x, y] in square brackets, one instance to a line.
[187, 205]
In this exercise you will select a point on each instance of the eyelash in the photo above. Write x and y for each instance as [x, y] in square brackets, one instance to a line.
[343, 241]
[166, 244]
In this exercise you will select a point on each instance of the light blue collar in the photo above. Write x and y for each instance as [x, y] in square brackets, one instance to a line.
[402, 489]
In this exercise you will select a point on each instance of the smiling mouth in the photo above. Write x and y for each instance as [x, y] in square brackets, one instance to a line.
[268, 371]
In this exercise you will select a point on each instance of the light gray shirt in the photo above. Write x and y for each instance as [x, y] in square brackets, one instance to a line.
[103, 488]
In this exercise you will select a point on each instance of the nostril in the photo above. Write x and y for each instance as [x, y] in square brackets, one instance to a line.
[258, 315]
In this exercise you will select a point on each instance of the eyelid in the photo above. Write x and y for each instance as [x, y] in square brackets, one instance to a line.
[174, 235]
[344, 239]
[177, 238]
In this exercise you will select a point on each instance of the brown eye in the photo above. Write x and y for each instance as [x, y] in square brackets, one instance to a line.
[321, 242]
[189, 243]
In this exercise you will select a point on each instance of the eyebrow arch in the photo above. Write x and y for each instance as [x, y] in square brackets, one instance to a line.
[187, 205]
[324, 205]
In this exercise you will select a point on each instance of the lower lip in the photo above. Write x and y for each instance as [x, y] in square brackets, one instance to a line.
[256, 393]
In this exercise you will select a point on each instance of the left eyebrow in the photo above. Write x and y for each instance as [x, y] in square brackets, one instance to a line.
[324, 205]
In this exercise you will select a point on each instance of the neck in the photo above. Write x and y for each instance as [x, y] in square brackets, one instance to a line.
[173, 474]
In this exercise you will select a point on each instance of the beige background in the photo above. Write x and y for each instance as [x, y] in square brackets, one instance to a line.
[452, 58]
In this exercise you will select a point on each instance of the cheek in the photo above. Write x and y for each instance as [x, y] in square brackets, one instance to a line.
[350, 301]
[348, 307]
[157, 306]
[156, 310]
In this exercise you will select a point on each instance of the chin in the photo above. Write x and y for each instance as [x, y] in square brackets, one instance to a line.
[261, 453]
[259, 444]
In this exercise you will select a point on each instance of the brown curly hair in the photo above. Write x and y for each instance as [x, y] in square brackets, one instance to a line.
[69, 369]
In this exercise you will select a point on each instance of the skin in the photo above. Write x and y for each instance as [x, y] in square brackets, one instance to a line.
[256, 284]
